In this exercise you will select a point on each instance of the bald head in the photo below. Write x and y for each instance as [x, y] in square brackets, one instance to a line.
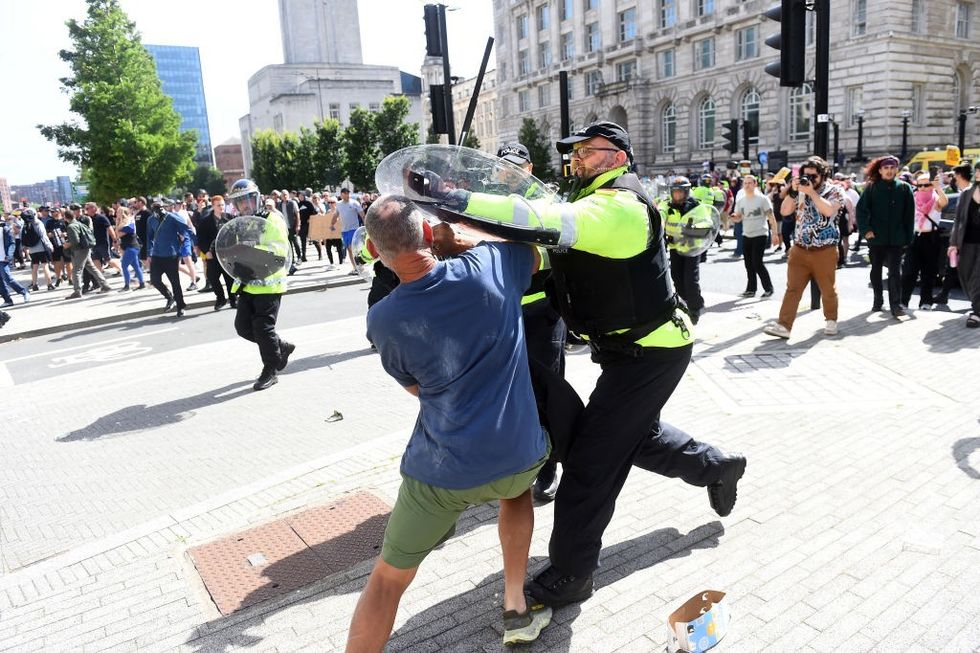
[394, 225]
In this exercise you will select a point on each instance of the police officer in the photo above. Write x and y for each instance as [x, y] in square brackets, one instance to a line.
[684, 270]
[612, 286]
[259, 298]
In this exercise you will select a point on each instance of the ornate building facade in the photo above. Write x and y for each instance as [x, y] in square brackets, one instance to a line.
[673, 71]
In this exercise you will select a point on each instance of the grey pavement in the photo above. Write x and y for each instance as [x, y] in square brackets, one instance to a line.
[857, 526]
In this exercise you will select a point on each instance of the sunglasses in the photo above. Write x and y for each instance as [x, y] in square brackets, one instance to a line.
[923, 185]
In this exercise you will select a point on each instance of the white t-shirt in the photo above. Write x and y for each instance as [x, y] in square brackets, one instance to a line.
[754, 211]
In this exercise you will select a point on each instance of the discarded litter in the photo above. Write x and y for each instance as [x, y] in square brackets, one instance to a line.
[700, 623]
[336, 417]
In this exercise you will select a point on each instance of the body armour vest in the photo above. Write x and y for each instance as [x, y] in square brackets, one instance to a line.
[596, 294]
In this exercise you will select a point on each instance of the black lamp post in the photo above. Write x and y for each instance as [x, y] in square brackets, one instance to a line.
[905, 134]
[837, 160]
[860, 148]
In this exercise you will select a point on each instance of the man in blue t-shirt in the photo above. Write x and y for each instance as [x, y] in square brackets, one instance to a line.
[451, 334]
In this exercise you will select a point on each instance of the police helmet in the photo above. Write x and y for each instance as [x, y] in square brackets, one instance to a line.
[244, 196]
[27, 214]
[706, 180]
[680, 183]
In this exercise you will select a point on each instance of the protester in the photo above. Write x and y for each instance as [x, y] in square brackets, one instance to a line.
[964, 248]
[923, 255]
[306, 210]
[168, 234]
[816, 202]
[351, 214]
[130, 244]
[334, 243]
[210, 224]
[34, 237]
[477, 438]
[105, 237]
[9, 239]
[56, 228]
[80, 242]
[962, 180]
[886, 219]
[754, 211]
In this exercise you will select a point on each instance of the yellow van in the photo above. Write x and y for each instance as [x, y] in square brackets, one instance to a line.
[926, 158]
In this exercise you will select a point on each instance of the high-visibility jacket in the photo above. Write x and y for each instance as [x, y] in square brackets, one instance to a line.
[275, 239]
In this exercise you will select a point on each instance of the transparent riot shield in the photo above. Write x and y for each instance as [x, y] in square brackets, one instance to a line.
[251, 248]
[691, 234]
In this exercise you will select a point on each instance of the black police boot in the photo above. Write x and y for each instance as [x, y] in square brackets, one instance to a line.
[723, 492]
[266, 379]
[285, 349]
[555, 589]
[546, 484]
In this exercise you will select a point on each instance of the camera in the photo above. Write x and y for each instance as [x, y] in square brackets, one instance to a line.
[806, 180]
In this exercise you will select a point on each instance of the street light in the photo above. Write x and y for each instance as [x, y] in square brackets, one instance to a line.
[860, 149]
[837, 158]
[962, 120]
[905, 134]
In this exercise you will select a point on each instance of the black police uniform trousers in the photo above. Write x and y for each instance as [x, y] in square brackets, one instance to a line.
[621, 428]
[255, 320]
[544, 337]
[215, 275]
[167, 265]
[685, 272]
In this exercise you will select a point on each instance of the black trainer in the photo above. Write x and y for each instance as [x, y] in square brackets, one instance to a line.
[723, 492]
[219, 302]
[285, 349]
[170, 304]
[266, 379]
[546, 484]
[555, 589]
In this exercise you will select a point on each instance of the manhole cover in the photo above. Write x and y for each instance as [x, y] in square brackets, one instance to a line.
[284, 555]
[775, 381]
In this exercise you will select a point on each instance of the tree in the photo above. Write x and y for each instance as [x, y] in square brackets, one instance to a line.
[207, 177]
[127, 135]
[361, 147]
[472, 141]
[266, 172]
[389, 123]
[330, 157]
[431, 137]
[305, 166]
[536, 142]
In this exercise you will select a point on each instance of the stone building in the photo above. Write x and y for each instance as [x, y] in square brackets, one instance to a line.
[672, 71]
[484, 125]
[323, 75]
[228, 159]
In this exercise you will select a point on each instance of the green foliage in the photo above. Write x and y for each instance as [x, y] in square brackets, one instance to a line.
[431, 137]
[265, 155]
[472, 141]
[330, 156]
[127, 135]
[207, 177]
[389, 123]
[536, 142]
[361, 146]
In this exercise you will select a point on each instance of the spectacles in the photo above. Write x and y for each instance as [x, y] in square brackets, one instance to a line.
[923, 185]
[584, 152]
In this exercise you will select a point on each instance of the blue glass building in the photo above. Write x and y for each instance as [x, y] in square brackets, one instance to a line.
[179, 68]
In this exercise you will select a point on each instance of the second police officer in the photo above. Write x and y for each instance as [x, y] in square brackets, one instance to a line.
[259, 298]
[611, 284]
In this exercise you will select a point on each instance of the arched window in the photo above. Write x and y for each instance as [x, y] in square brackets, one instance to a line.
[800, 112]
[751, 101]
[961, 89]
[706, 123]
[668, 123]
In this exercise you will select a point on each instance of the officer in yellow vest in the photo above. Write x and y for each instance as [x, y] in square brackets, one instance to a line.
[611, 285]
[685, 271]
[259, 297]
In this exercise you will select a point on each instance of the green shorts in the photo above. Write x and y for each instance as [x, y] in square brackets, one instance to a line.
[425, 516]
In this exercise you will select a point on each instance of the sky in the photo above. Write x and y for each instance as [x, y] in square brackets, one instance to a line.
[236, 38]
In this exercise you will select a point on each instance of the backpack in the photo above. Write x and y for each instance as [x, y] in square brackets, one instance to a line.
[30, 237]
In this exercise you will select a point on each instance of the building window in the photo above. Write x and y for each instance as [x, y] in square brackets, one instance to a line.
[544, 95]
[918, 93]
[626, 71]
[668, 13]
[544, 55]
[335, 110]
[565, 10]
[751, 102]
[627, 25]
[522, 26]
[277, 122]
[374, 106]
[918, 16]
[523, 101]
[669, 126]
[523, 63]
[591, 4]
[666, 61]
[593, 80]
[800, 110]
[704, 54]
[961, 90]
[706, 123]
[567, 46]
[543, 16]
[747, 43]
[853, 101]
[705, 7]
[860, 22]
[811, 27]
[963, 20]
[592, 39]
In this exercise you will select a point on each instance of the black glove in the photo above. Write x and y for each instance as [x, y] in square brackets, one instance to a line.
[429, 185]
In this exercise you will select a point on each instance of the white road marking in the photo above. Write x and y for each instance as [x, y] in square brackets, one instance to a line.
[6, 381]
[89, 346]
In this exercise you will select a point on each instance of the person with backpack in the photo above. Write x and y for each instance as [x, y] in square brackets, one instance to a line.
[8, 245]
[81, 240]
[35, 238]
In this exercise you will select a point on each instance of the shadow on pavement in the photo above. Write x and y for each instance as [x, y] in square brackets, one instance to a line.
[951, 336]
[143, 417]
[961, 454]
[470, 620]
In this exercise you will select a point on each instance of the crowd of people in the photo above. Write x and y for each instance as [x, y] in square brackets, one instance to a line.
[82, 248]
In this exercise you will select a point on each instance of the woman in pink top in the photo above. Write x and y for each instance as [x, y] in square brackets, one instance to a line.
[923, 255]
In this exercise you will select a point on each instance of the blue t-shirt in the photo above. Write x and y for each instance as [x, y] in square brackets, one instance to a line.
[458, 334]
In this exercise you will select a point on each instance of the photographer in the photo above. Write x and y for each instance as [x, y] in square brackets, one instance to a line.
[815, 202]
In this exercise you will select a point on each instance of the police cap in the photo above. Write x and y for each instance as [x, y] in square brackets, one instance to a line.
[608, 130]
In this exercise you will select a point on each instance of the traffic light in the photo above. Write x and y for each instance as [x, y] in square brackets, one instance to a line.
[433, 39]
[730, 134]
[790, 41]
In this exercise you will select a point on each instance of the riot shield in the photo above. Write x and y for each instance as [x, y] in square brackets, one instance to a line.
[249, 248]
[691, 234]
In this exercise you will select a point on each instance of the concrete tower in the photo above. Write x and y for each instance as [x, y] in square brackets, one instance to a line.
[320, 31]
